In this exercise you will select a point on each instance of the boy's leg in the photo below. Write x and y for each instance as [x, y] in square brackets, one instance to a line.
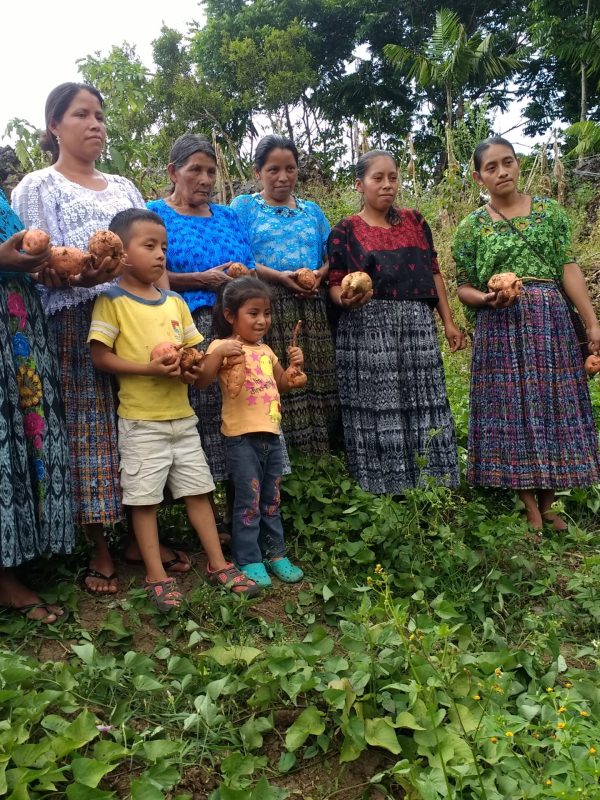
[243, 463]
[146, 534]
[200, 513]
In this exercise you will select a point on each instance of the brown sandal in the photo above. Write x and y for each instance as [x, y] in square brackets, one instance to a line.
[164, 595]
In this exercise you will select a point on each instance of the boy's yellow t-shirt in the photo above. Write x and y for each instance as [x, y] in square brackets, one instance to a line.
[257, 408]
[132, 327]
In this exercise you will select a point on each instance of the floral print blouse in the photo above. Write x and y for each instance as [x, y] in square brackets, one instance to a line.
[483, 247]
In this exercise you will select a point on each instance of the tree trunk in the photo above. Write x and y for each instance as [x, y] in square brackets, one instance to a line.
[288, 122]
[449, 147]
[583, 102]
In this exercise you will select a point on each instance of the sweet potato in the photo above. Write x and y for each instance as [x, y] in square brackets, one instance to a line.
[235, 374]
[506, 285]
[189, 358]
[592, 365]
[295, 377]
[35, 242]
[165, 349]
[236, 270]
[106, 244]
[305, 278]
[356, 283]
[68, 261]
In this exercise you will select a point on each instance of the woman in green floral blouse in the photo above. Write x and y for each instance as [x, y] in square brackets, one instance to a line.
[531, 426]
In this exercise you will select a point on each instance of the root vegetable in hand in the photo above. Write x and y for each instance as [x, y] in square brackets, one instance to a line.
[35, 242]
[165, 349]
[106, 244]
[296, 379]
[506, 285]
[305, 278]
[592, 365]
[68, 261]
[236, 270]
[355, 284]
[235, 374]
[190, 358]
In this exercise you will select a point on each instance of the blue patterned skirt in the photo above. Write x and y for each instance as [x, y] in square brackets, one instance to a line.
[35, 481]
[531, 423]
[398, 427]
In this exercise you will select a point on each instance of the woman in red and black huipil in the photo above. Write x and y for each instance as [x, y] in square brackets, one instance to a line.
[397, 422]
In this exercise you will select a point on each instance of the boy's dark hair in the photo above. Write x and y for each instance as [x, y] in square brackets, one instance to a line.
[485, 144]
[232, 297]
[122, 222]
[58, 101]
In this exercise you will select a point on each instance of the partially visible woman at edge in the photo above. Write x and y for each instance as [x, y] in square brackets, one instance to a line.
[397, 421]
[71, 200]
[531, 427]
[204, 238]
[288, 234]
[35, 487]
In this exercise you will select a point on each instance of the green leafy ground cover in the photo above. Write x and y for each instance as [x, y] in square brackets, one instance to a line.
[434, 651]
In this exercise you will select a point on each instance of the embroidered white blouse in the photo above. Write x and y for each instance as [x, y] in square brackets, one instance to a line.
[70, 214]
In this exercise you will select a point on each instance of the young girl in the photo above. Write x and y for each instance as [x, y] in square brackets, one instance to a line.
[531, 426]
[289, 234]
[395, 410]
[251, 424]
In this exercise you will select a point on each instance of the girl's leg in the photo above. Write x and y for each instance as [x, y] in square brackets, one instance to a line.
[545, 499]
[245, 468]
[200, 512]
[100, 562]
[272, 542]
[532, 510]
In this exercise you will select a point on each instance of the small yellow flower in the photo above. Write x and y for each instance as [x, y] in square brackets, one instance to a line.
[498, 672]
[411, 637]
[550, 689]
[369, 581]
[510, 734]
[494, 739]
[535, 735]
[476, 697]
[584, 713]
[592, 751]
[561, 725]
[549, 782]
[378, 569]
[553, 736]
[568, 685]
[562, 710]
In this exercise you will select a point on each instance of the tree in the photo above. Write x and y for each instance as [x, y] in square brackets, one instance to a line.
[448, 61]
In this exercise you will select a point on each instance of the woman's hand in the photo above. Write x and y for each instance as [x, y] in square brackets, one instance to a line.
[593, 334]
[287, 280]
[95, 274]
[211, 280]
[497, 300]
[13, 260]
[357, 301]
[455, 337]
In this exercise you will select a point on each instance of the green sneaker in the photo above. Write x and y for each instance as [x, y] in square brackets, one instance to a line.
[257, 573]
[283, 569]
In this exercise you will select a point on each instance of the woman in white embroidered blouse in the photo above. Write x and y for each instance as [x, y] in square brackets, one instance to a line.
[71, 200]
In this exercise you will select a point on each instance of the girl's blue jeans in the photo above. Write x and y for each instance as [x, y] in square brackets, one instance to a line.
[255, 464]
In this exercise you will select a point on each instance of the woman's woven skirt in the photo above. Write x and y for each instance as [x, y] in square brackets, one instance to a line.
[397, 422]
[90, 408]
[310, 416]
[531, 423]
[35, 480]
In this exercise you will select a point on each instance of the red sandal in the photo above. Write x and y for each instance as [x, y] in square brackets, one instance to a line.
[230, 577]
[164, 595]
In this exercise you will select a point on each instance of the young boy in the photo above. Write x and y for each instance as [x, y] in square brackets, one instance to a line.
[158, 439]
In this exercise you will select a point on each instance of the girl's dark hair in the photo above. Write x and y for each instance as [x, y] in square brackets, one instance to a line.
[362, 167]
[232, 297]
[188, 144]
[57, 103]
[269, 143]
[485, 144]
